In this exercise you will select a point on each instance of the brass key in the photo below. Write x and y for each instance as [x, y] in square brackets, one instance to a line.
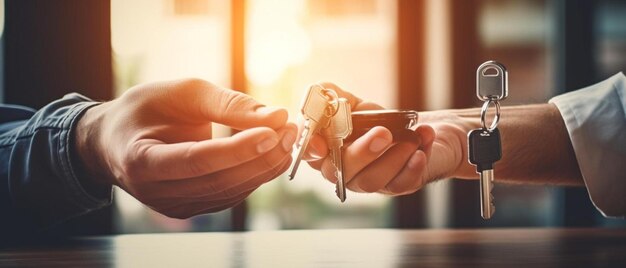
[339, 127]
[318, 107]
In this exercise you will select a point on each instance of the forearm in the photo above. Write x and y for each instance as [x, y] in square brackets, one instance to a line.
[536, 147]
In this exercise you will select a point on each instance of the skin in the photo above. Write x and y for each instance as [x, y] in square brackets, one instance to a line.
[156, 143]
[535, 146]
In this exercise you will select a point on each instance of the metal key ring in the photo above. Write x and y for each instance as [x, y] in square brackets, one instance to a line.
[332, 100]
[483, 113]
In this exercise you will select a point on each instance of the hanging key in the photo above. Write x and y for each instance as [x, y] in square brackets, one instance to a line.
[484, 143]
[339, 127]
[484, 150]
[319, 105]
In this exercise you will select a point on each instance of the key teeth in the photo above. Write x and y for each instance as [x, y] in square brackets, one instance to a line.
[342, 197]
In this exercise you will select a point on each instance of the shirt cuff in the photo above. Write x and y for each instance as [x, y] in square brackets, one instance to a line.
[86, 193]
[596, 123]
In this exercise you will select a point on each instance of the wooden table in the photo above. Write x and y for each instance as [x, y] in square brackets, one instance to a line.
[336, 248]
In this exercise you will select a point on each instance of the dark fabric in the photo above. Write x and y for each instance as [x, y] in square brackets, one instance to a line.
[40, 185]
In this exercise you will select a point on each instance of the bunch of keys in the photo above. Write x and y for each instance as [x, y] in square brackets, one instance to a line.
[484, 143]
[330, 115]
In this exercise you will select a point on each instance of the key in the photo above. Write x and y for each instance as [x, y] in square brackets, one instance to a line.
[484, 150]
[319, 105]
[492, 81]
[339, 127]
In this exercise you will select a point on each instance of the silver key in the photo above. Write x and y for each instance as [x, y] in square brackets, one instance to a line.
[485, 149]
[319, 105]
[339, 128]
[492, 81]
[484, 144]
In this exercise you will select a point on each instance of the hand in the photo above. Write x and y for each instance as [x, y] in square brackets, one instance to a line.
[155, 142]
[374, 163]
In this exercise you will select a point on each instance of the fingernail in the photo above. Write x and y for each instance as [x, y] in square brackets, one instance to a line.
[415, 160]
[266, 145]
[288, 140]
[378, 144]
[268, 109]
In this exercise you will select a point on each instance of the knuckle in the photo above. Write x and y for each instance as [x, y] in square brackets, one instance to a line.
[194, 83]
[234, 101]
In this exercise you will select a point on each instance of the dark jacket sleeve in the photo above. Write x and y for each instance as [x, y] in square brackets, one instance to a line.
[40, 182]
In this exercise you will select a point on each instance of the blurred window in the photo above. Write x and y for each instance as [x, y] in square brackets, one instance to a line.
[611, 37]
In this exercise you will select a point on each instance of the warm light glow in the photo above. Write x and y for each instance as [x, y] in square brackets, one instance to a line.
[275, 42]
[152, 43]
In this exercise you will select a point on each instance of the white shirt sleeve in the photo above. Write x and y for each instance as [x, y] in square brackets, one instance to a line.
[595, 118]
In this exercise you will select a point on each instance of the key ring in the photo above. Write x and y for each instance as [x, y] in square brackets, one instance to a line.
[332, 100]
[483, 113]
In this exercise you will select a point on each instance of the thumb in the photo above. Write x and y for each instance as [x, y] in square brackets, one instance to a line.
[238, 110]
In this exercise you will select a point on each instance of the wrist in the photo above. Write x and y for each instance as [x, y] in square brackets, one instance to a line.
[467, 120]
[452, 127]
[89, 146]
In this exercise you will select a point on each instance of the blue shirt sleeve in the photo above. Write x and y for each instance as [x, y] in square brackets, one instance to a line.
[595, 118]
[40, 180]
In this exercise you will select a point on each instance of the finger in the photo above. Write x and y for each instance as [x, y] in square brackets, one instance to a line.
[410, 178]
[316, 164]
[415, 173]
[254, 181]
[227, 182]
[361, 152]
[378, 174]
[316, 149]
[427, 133]
[178, 203]
[232, 108]
[156, 160]
[177, 194]
[356, 103]
[176, 133]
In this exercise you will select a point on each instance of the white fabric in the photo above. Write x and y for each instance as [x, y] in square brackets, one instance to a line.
[595, 117]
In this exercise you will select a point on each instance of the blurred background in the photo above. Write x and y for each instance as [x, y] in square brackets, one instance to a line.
[410, 54]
